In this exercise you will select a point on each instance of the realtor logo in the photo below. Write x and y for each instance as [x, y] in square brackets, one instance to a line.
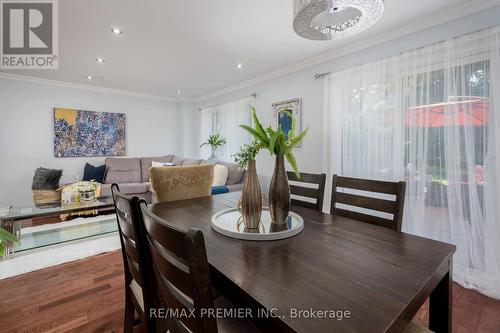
[29, 35]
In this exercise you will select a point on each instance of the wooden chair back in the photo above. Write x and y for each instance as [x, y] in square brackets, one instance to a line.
[134, 259]
[394, 207]
[182, 273]
[317, 194]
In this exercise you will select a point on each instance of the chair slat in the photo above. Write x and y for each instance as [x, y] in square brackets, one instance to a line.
[381, 205]
[166, 237]
[179, 277]
[314, 193]
[304, 204]
[173, 303]
[366, 218]
[130, 249]
[134, 271]
[304, 191]
[369, 185]
[126, 227]
[305, 177]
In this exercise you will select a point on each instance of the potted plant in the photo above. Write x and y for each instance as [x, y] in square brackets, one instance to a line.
[251, 199]
[5, 237]
[275, 141]
[215, 141]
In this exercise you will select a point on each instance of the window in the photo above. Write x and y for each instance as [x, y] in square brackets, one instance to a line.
[225, 119]
[428, 116]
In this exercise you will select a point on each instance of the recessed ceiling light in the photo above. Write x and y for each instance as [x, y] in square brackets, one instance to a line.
[179, 92]
[100, 60]
[116, 31]
[90, 77]
[239, 66]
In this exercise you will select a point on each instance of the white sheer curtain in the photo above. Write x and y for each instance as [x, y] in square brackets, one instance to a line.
[225, 119]
[429, 116]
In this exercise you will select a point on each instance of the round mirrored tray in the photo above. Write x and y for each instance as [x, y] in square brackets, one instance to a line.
[229, 222]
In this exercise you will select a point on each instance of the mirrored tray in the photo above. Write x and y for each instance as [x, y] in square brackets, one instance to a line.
[229, 222]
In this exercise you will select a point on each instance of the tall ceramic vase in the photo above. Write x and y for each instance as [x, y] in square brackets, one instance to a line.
[251, 199]
[279, 193]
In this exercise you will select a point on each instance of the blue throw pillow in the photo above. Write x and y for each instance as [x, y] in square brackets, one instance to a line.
[96, 174]
[219, 190]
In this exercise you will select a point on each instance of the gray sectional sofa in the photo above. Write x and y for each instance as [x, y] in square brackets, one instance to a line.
[132, 174]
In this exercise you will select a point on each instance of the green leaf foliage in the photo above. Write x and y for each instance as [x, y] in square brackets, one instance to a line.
[5, 236]
[275, 140]
[215, 141]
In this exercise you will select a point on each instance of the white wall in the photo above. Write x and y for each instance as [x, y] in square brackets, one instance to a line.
[157, 127]
[302, 84]
[26, 131]
[190, 128]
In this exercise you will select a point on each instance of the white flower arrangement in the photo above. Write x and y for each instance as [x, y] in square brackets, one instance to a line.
[83, 187]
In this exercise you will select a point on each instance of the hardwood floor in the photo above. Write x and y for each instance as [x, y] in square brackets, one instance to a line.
[82, 296]
[87, 296]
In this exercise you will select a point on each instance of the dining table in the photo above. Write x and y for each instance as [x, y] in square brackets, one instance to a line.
[336, 275]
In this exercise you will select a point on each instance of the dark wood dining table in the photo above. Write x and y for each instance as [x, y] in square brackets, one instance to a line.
[348, 275]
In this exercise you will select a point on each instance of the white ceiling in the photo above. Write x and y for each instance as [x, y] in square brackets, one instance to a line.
[194, 45]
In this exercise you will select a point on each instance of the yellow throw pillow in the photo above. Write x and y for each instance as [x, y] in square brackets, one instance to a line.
[220, 175]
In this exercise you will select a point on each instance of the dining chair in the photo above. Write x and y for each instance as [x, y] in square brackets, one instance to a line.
[137, 299]
[317, 193]
[171, 183]
[394, 208]
[180, 265]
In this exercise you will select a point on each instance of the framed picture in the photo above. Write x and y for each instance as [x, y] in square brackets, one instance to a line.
[80, 133]
[294, 106]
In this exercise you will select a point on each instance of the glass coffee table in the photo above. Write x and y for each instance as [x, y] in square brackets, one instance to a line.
[12, 217]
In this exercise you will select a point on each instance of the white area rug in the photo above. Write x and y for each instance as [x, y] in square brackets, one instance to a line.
[59, 254]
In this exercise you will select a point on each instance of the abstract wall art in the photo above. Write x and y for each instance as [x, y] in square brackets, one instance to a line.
[79, 133]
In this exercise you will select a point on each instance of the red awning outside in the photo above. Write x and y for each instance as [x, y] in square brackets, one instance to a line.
[470, 112]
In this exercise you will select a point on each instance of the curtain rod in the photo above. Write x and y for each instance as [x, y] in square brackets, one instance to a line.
[213, 106]
[319, 76]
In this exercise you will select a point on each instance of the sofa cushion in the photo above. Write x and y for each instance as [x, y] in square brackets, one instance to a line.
[220, 175]
[146, 163]
[123, 177]
[178, 160]
[125, 188]
[191, 161]
[123, 170]
[234, 174]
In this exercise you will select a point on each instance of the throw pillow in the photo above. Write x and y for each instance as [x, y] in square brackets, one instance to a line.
[219, 190]
[159, 164]
[94, 173]
[46, 179]
[220, 175]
